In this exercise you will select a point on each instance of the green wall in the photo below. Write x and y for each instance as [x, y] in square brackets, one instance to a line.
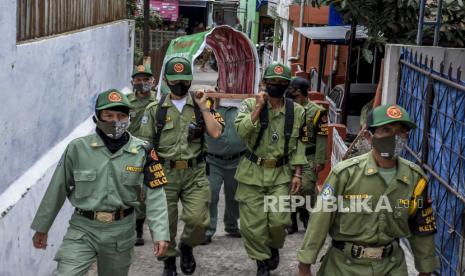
[252, 16]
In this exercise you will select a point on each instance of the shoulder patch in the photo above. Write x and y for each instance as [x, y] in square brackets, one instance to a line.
[327, 192]
[144, 120]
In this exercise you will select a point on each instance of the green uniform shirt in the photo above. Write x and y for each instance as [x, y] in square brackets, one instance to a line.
[229, 143]
[359, 178]
[173, 140]
[137, 111]
[317, 127]
[253, 174]
[94, 179]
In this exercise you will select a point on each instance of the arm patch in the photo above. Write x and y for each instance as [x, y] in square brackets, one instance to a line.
[154, 176]
[217, 116]
[421, 220]
[322, 124]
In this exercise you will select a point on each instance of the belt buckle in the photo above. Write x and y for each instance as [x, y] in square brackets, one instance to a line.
[181, 164]
[105, 217]
[269, 163]
[372, 253]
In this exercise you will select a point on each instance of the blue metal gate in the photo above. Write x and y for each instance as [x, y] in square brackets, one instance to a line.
[436, 102]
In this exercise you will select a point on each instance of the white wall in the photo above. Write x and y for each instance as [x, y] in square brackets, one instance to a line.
[49, 88]
[17, 255]
[456, 56]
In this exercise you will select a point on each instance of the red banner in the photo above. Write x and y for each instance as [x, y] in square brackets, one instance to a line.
[168, 9]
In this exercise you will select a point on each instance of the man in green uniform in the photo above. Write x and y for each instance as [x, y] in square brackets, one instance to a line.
[176, 126]
[101, 175]
[143, 95]
[222, 159]
[381, 197]
[314, 135]
[271, 167]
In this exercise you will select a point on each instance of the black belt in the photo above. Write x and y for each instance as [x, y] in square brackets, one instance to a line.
[361, 251]
[183, 164]
[105, 216]
[310, 150]
[227, 157]
[267, 163]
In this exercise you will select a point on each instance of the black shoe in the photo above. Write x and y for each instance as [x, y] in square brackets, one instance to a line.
[304, 216]
[293, 228]
[234, 233]
[262, 269]
[139, 232]
[273, 262]
[139, 241]
[206, 241]
[170, 267]
[188, 264]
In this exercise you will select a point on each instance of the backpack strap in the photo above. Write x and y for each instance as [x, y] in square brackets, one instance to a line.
[160, 117]
[288, 124]
[199, 121]
[263, 125]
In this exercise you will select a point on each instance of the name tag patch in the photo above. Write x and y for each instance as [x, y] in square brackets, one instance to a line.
[134, 169]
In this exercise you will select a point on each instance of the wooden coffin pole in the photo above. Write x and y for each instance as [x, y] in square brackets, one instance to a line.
[219, 95]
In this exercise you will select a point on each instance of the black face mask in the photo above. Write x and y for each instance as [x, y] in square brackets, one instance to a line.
[179, 89]
[137, 88]
[276, 90]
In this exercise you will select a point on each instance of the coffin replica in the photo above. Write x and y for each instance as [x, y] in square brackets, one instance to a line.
[236, 57]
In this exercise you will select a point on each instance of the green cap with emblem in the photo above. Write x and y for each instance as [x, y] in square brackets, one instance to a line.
[111, 98]
[178, 69]
[277, 70]
[141, 69]
[386, 114]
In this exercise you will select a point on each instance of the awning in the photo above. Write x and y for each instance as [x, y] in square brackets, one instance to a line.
[193, 3]
[332, 34]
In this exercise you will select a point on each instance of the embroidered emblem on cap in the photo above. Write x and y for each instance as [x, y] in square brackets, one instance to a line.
[114, 97]
[278, 70]
[394, 112]
[178, 67]
[141, 68]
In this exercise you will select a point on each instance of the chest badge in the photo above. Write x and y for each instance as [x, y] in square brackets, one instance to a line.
[274, 137]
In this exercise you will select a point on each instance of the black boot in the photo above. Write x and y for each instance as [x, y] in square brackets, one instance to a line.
[262, 269]
[206, 241]
[170, 267]
[293, 228]
[140, 232]
[273, 262]
[304, 216]
[188, 264]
